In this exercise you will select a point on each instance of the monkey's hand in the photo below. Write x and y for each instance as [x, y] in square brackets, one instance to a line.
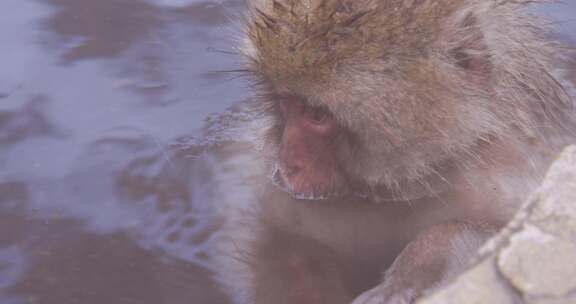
[437, 254]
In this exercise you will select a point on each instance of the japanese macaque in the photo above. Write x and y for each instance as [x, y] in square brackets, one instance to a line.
[398, 136]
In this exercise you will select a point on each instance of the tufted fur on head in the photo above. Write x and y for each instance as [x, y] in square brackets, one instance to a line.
[419, 85]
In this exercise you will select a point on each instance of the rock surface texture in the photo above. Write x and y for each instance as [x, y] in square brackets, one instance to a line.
[533, 260]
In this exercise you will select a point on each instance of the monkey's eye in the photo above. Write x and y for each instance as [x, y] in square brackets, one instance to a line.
[317, 114]
[463, 59]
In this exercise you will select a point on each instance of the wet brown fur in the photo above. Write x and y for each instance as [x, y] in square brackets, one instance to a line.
[452, 111]
[396, 71]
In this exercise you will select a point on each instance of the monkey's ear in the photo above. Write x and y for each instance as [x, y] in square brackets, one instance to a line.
[467, 46]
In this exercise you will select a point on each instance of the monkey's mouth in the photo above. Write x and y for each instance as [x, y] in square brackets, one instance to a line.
[314, 193]
[359, 190]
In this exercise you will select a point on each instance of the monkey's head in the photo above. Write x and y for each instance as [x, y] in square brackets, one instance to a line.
[376, 96]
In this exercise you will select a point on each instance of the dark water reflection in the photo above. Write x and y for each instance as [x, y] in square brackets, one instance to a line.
[105, 191]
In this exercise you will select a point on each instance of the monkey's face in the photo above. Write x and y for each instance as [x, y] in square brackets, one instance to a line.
[382, 103]
[381, 137]
[307, 165]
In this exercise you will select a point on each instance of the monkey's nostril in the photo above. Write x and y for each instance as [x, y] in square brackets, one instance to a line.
[291, 170]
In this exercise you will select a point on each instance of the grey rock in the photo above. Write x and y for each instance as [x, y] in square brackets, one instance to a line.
[555, 201]
[539, 264]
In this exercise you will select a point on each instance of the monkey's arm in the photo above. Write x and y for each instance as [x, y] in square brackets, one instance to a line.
[294, 270]
[434, 256]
